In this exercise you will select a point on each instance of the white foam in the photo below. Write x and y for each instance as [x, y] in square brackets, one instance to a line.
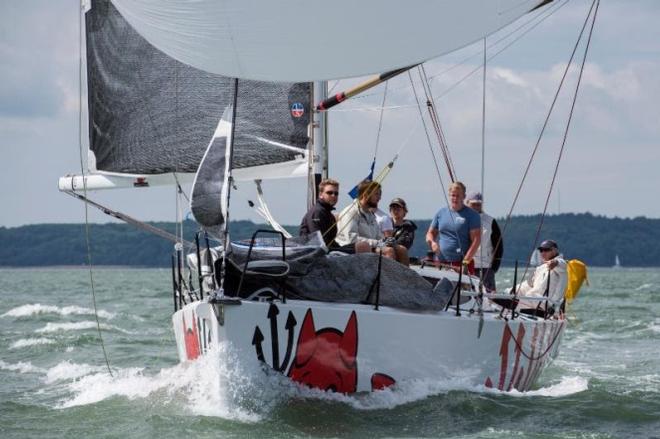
[66, 370]
[644, 287]
[204, 387]
[77, 326]
[22, 367]
[36, 308]
[27, 342]
[567, 386]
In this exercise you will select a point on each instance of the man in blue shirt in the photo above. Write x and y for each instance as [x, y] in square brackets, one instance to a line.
[455, 232]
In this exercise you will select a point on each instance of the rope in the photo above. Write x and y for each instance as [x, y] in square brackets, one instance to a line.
[84, 179]
[530, 357]
[568, 124]
[430, 105]
[538, 141]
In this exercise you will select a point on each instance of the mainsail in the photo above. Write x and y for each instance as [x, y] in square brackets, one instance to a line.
[150, 114]
[302, 40]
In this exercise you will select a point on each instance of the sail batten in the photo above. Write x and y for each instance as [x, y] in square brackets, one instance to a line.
[270, 40]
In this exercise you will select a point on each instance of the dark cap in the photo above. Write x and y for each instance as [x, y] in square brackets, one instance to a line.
[474, 197]
[398, 202]
[548, 244]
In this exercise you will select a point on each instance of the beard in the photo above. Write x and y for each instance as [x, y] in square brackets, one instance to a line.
[371, 204]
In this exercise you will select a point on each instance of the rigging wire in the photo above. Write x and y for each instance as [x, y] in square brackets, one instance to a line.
[380, 121]
[435, 119]
[84, 179]
[568, 123]
[548, 14]
[545, 124]
[483, 159]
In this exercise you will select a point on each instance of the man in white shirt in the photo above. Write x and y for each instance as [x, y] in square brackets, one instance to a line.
[488, 256]
[552, 268]
[358, 225]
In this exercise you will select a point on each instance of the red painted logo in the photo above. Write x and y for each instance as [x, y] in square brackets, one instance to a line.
[191, 338]
[326, 359]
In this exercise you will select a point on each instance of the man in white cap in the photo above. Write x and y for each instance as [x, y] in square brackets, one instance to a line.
[488, 256]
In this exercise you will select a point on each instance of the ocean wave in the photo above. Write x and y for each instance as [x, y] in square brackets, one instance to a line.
[66, 370]
[644, 287]
[77, 326]
[27, 342]
[36, 308]
[21, 367]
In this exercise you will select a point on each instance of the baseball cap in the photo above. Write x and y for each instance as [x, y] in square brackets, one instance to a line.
[548, 244]
[474, 197]
[398, 202]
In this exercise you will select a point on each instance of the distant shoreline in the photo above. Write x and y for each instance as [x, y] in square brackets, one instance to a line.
[596, 240]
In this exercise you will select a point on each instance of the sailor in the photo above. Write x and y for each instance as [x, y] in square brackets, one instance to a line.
[404, 230]
[554, 268]
[358, 225]
[320, 217]
[455, 232]
[488, 256]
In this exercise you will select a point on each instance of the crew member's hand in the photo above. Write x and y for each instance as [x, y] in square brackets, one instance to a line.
[552, 263]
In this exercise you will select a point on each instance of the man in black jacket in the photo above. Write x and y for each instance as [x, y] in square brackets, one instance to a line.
[320, 216]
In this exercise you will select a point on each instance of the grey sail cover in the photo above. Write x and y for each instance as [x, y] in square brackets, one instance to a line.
[151, 114]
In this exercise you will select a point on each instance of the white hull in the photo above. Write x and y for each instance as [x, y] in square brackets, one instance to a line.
[353, 348]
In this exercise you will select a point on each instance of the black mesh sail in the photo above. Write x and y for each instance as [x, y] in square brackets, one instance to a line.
[150, 114]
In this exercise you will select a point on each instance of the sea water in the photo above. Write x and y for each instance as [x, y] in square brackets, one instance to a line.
[54, 380]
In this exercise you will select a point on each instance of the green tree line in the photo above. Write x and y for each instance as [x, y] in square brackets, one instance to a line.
[592, 238]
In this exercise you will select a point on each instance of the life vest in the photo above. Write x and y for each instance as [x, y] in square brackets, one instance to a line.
[577, 274]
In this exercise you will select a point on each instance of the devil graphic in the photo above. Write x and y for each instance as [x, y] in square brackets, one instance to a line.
[326, 359]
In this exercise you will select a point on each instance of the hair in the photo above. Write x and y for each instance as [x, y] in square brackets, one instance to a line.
[457, 185]
[367, 187]
[327, 182]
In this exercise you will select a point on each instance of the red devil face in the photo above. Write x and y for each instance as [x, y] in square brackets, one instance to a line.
[191, 338]
[326, 359]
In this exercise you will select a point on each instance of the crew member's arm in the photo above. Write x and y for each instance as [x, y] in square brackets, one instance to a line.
[475, 240]
[432, 239]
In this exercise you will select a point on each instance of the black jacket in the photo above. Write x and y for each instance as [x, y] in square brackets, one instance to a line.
[498, 246]
[320, 218]
[405, 233]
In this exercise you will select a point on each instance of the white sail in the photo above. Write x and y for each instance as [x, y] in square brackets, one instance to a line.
[296, 40]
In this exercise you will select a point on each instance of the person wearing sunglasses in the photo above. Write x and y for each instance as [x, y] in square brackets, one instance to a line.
[320, 217]
[552, 268]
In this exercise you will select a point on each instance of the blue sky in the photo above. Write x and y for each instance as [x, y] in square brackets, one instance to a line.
[610, 160]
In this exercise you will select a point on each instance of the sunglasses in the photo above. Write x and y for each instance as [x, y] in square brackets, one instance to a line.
[545, 250]
[335, 193]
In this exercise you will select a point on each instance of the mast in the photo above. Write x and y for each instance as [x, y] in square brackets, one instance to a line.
[319, 140]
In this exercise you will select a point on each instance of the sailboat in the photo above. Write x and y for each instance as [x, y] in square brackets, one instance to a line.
[617, 262]
[182, 92]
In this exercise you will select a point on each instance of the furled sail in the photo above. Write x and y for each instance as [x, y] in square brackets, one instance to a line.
[302, 40]
[151, 114]
[209, 198]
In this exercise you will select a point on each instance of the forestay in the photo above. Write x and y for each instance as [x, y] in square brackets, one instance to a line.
[302, 40]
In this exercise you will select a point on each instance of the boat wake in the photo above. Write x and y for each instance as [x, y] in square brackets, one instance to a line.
[236, 392]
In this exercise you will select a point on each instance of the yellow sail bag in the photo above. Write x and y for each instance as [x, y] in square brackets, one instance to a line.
[577, 275]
